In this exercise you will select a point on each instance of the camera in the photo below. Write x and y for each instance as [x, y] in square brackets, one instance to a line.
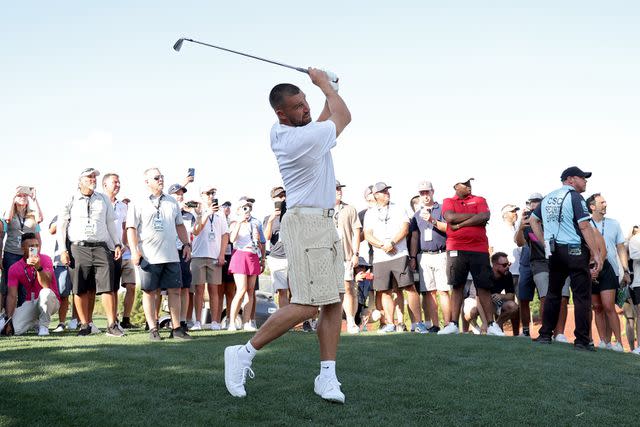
[246, 209]
[191, 204]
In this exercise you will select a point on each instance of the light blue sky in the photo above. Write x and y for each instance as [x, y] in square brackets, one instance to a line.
[509, 92]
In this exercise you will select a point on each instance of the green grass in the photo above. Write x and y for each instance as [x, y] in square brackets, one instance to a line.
[400, 379]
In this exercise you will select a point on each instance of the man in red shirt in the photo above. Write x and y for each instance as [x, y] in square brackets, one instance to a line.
[34, 272]
[468, 251]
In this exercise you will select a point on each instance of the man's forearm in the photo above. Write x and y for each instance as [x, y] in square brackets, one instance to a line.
[12, 301]
[456, 218]
[476, 220]
[326, 113]
[44, 278]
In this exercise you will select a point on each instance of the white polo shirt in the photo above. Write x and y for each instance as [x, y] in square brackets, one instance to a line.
[207, 243]
[304, 158]
[147, 216]
[386, 222]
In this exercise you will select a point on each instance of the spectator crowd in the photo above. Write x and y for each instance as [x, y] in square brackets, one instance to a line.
[429, 266]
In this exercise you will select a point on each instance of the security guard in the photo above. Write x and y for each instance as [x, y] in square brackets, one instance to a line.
[570, 245]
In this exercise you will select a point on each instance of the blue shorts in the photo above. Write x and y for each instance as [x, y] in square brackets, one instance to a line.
[64, 281]
[167, 275]
[526, 285]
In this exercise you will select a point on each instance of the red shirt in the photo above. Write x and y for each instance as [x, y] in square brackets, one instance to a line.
[472, 238]
[22, 274]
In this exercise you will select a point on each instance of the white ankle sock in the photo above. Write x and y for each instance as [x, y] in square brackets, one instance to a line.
[328, 369]
[247, 352]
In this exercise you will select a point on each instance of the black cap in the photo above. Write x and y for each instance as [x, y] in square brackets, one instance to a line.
[226, 204]
[574, 171]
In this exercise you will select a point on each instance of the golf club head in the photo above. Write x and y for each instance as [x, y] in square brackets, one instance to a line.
[178, 45]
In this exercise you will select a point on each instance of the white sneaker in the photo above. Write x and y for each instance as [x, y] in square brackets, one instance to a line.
[235, 372]
[376, 315]
[636, 351]
[353, 329]
[73, 324]
[475, 330]
[43, 331]
[215, 326]
[60, 328]
[495, 330]
[328, 389]
[617, 347]
[386, 329]
[602, 345]
[232, 328]
[451, 328]
[561, 338]
[197, 326]
[2, 321]
[94, 329]
[249, 327]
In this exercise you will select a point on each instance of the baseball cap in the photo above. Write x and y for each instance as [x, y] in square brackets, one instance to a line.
[425, 186]
[23, 189]
[207, 188]
[467, 182]
[379, 186]
[509, 208]
[574, 171]
[177, 187]
[276, 191]
[89, 171]
[338, 185]
[368, 191]
[226, 204]
[535, 197]
[244, 201]
[248, 199]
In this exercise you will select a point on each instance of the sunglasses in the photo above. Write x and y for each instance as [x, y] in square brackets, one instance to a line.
[158, 177]
[504, 264]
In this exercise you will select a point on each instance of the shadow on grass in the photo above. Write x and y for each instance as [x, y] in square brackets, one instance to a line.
[401, 379]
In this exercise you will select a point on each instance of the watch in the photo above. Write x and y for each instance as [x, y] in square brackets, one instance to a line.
[39, 269]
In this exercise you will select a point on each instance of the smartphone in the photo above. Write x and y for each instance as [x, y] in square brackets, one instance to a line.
[278, 205]
[33, 252]
[191, 204]
[215, 202]
[191, 172]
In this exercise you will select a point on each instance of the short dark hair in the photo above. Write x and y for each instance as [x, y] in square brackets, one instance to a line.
[591, 201]
[496, 256]
[28, 236]
[279, 91]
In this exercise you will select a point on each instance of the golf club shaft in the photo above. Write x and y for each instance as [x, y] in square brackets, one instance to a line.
[302, 70]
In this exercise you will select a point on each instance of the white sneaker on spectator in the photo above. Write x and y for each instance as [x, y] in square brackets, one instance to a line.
[401, 327]
[236, 372]
[617, 347]
[197, 326]
[249, 327]
[475, 330]
[60, 328]
[353, 329]
[636, 351]
[73, 324]
[94, 329]
[561, 338]
[451, 328]
[328, 389]
[314, 324]
[376, 315]
[602, 345]
[386, 329]
[495, 330]
[215, 326]
[2, 321]
[253, 324]
[43, 331]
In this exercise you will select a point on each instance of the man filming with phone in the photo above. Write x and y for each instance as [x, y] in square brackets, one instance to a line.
[277, 259]
[35, 273]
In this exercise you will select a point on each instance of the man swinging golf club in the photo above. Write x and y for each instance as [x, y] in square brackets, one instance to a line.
[302, 149]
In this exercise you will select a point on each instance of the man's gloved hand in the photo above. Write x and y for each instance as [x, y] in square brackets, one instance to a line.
[333, 79]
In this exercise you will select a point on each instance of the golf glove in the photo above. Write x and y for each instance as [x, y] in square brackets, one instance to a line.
[333, 79]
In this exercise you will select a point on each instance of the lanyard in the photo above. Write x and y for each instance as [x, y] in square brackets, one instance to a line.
[89, 210]
[31, 280]
[21, 220]
[211, 222]
[594, 224]
[158, 205]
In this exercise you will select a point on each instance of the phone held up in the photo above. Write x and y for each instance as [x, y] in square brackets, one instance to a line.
[191, 172]
[191, 204]
[33, 252]
[282, 205]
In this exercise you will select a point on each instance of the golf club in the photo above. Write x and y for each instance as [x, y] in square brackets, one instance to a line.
[178, 45]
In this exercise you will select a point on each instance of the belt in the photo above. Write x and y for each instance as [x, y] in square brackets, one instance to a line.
[89, 244]
[434, 252]
[328, 213]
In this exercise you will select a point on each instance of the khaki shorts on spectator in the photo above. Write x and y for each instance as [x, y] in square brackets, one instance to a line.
[205, 270]
[128, 273]
[433, 272]
[348, 271]
[278, 269]
[315, 256]
[385, 272]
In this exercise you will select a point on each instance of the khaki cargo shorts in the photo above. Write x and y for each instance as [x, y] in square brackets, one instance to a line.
[315, 256]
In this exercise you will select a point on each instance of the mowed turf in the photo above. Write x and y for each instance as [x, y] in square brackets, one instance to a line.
[399, 379]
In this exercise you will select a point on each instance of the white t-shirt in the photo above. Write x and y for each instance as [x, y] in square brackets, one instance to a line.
[501, 239]
[634, 254]
[386, 222]
[304, 158]
[207, 243]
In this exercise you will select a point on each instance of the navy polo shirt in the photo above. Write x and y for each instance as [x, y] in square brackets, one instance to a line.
[438, 238]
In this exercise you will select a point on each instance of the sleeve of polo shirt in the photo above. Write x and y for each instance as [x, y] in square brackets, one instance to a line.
[413, 225]
[319, 135]
[447, 205]
[133, 221]
[355, 221]
[367, 220]
[619, 236]
[178, 212]
[580, 211]
[47, 265]
[406, 216]
[482, 205]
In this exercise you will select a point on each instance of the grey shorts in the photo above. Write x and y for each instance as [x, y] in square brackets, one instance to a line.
[315, 258]
[205, 270]
[385, 272]
[128, 276]
[541, 279]
[159, 276]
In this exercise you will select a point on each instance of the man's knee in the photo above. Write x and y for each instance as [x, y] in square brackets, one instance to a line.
[597, 308]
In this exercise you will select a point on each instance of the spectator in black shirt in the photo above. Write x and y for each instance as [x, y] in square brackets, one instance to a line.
[502, 290]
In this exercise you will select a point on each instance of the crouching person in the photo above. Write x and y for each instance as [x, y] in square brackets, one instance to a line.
[34, 272]
[502, 290]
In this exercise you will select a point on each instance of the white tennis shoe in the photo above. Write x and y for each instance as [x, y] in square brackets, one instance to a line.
[236, 372]
[328, 389]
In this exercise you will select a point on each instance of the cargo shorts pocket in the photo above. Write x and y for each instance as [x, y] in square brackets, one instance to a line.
[324, 272]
